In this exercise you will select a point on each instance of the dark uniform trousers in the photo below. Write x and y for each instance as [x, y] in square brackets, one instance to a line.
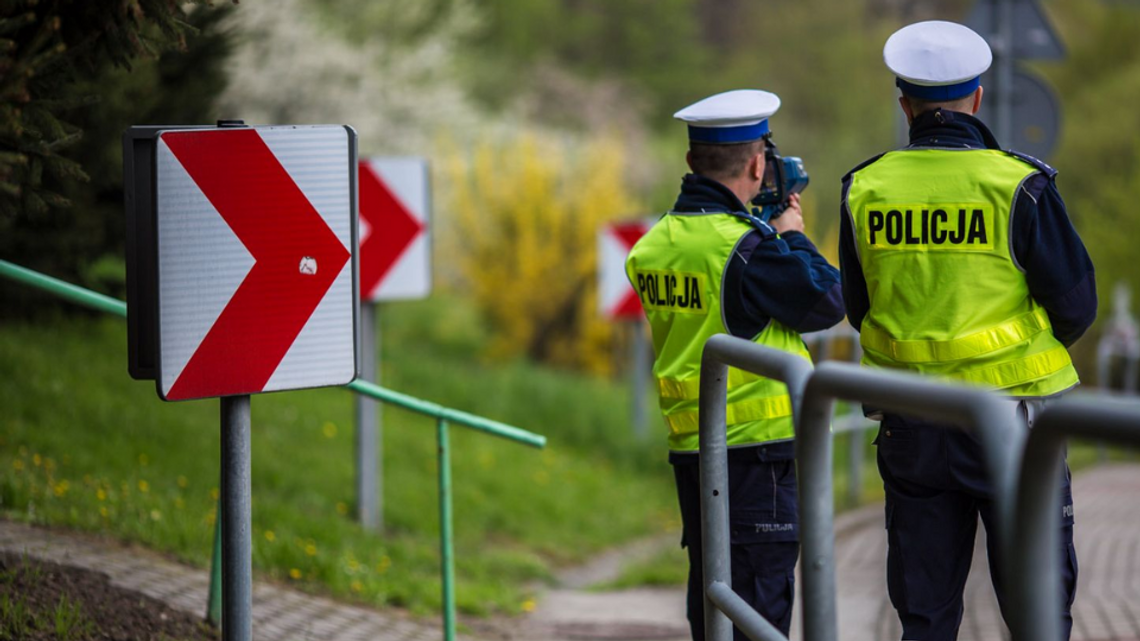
[764, 530]
[936, 488]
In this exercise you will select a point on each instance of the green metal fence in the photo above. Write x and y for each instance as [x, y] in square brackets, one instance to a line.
[443, 415]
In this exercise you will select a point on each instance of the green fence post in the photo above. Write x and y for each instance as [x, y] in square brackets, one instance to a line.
[446, 547]
[214, 600]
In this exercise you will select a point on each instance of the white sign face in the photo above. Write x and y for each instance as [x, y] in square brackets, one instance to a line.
[256, 256]
[395, 237]
[616, 298]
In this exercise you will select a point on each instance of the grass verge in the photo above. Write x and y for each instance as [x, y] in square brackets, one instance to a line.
[83, 446]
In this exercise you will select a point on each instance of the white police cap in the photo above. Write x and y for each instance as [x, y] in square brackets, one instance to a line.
[937, 60]
[730, 117]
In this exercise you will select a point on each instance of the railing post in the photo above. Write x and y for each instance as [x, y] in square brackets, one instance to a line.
[446, 544]
[813, 467]
[1033, 564]
[720, 352]
[713, 438]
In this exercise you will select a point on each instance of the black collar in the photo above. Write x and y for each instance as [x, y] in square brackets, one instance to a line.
[945, 128]
[700, 193]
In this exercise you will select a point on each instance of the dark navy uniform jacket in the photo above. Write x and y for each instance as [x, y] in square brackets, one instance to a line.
[768, 276]
[1056, 265]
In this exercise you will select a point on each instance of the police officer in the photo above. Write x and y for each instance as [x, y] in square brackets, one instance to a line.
[712, 266]
[960, 262]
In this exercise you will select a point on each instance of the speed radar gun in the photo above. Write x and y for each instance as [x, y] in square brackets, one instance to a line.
[783, 176]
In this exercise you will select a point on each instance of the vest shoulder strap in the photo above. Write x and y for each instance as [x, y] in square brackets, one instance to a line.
[1040, 165]
[871, 160]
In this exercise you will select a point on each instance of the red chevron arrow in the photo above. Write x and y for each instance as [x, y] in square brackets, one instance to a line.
[297, 258]
[393, 228]
[629, 234]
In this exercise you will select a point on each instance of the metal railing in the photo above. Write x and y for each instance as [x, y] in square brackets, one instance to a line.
[1034, 560]
[813, 398]
[443, 416]
[852, 423]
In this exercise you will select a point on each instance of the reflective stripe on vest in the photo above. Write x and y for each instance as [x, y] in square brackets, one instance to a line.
[1022, 370]
[690, 389]
[976, 344]
[735, 413]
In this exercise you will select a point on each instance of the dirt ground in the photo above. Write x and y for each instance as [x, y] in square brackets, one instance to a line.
[42, 601]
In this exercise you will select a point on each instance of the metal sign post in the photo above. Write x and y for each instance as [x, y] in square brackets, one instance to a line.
[1003, 18]
[1026, 115]
[617, 301]
[369, 478]
[395, 264]
[242, 275]
[639, 359]
[237, 540]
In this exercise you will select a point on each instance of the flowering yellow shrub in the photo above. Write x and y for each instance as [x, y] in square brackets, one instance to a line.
[523, 213]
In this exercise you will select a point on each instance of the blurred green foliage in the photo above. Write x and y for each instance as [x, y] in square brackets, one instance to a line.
[1099, 154]
[99, 71]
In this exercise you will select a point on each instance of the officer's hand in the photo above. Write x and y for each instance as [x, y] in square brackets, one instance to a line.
[792, 219]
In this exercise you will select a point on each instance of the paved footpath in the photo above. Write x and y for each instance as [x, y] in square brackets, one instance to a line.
[279, 613]
[1107, 503]
[1107, 536]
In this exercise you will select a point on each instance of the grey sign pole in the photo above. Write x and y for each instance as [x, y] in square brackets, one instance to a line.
[369, 497]
[237, 544]
[639, 359]
[1004, 64]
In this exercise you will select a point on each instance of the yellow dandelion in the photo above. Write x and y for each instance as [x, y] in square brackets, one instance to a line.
[529, 605]
[101, 494]
[103, 511]
[179, 503]
[37, 460]
[384, 564]
[310, 549]
[329, 429]
[144, 487]
[144, 460]
[357, 586]
[270, 536]
[18, 465]
[155, 515]
[342, 508]
[294, 574]
[214, 494]
[182, 482]
[61, 488]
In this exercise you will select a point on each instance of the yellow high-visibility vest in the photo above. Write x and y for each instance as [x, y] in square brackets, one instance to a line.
[932, 229]
[677, 269]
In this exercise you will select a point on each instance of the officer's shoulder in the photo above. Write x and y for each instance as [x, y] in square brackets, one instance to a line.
[1037, 163]
[862, 165]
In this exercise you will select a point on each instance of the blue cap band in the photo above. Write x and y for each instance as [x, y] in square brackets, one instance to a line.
[729, 135]
[940, 92]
